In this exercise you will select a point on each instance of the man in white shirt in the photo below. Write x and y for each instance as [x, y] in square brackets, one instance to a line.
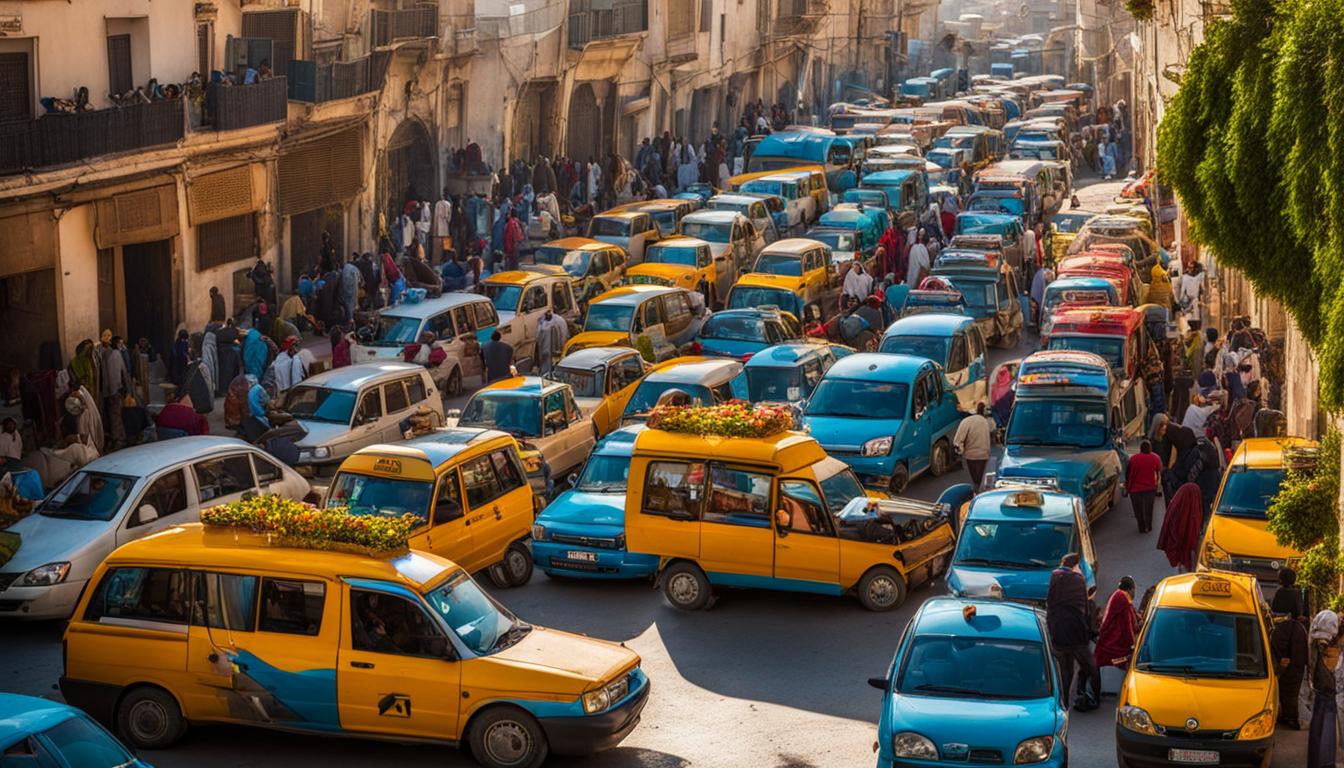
[918, 266]
[858, 283]
[288, 366]
[972, 441]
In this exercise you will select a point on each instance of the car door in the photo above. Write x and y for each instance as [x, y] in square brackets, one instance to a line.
[723, 270]
[806, 546]
[958, 371]
[534, 304]
[272, 479]
[396, 407]
[736, 539]
[975, 343]
[166, 501]
[915, 446]
[562, 299]
[579, 435]
[449, 535]
[554, 443]
[623, 376]
[368, 422]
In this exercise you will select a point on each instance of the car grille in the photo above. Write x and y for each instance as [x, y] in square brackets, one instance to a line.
[6, 579]
[985, 756]
[584, 541]
[1263, 569]
[1179, 732]
[561, 564]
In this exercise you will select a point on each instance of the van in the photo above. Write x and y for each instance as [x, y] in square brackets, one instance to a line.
[460, 322]
[668, 317]
[467, 486]
[593, 267]
[953, 342]
[633, 231]
[750, 206]
[206, 624]
[521, 298]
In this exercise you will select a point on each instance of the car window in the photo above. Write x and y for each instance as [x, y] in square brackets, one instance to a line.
[676, 309]
[168, 495]
[448, 501]
[267, 472]
[738, 497]
[159, 595]
[534, 299]
[600, 263]
[370, 408]
[465, 320]
[483, 485]
[803, 509]
[653, 314]
[291, 607]
[627, 371]
[82, 743]
[485, 314]
[415, 389]
[674, 489]
[216, 478]
[921, 398]
[441, 325]
[394, 394]
[225, 601]
[957, 359]
[553, 417]
[560, 298]
[383, 623]
[572, 413]
[508, 468]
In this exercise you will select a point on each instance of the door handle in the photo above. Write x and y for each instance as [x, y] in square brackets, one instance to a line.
[361, 665]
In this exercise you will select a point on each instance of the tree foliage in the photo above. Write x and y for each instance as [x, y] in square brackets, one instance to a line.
[1302, 516]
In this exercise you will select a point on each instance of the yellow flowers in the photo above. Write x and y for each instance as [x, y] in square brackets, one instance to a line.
[735, 419]
[303, 525]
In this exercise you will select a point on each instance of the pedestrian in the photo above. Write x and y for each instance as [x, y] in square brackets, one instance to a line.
[254, 354]
[858, 284]
[1289, 598]
[116, 384]
[594, 181]
[917, 266]
[1289, 644]
[1066, 617]
[1323, 654]
[257, 420]
[1190, 290]
[11, 445]
[263, 282]
[1043, 277]
[514, 237]
[1119, 627]
[340, 348]
[216, 305]
[1181, 527]
[288, 367]
[1159, 290]
[178, 359]
[198, 385]
[972, 441]
[552, 333]
[351, 278]
[1141, 478]
[498, 356]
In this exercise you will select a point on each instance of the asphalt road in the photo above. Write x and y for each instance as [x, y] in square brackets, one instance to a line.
[765, 679]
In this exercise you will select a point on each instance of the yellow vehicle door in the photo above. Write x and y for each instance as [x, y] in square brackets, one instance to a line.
[806, 547]
[623, 375]
[393, 671]
[814, 275]
[735, 534]
[449, 535]
[499, 504]
[663, 507]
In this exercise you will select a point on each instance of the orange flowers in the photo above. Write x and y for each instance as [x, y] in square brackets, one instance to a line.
[733, 419]
[303, 525]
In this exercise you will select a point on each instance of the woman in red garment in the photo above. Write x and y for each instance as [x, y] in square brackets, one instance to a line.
[1181, 526]
[1119, 627]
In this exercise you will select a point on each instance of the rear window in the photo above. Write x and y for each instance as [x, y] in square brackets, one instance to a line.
[602, 227]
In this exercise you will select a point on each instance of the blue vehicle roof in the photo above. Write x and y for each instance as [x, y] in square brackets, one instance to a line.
[932, 324]
[886, 178]
[800, 145]
[22, 716]
[848, 218]
[997, 618]
[942, 72]
[997, 505]
[1055, 370]
[984, 222]
[619, 443]
[1079, 283]
[878, 366]
[787, 355]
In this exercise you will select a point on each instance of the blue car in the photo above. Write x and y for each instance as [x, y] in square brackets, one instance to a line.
[1012, 538]
[972, 682]
[46, 734]
[952, 341]
[889, 417]
[741, 333]
[582, 533]
[787, 373]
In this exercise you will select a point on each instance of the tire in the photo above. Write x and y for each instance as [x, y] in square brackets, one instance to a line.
[686, 587]
[514, 570]
[148, 718]
[939, 459]
[881, 589]
[505, 737]
[900, 478]
[453, 387]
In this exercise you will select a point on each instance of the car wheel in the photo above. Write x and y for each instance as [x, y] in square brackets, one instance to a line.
[148, 718]
[938, 459]
[881, 589]
[508, 738]
[686, 587]
[900, 478]
[454, 386]
[518, 564]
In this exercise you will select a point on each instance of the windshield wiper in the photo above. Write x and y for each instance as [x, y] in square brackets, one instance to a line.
[515, 633]
[994, 563]
[1149, 666]
[948, 689]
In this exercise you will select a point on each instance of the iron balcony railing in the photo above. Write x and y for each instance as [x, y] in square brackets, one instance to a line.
[59, 139]
[229, 107]
[315, 83]
[624, 17]
[388, 27]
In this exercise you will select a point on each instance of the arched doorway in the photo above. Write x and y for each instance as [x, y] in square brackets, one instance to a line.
[584, 133]
[411, 162]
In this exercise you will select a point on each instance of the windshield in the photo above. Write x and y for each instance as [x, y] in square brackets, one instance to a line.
[934, 348]
[1111, 348]
[747, 297]
[725, 205]
[609, 317]
[666, 221]
[1076, 423]
[942, 158]
[841, 488]
[775, 385]
[1015, 544]
[584, 382]
[1191, 641]
[838, 241]
[647, 394]
[394, 330]
[1079, 296]
[604, 474]
[517, 414]
[995, 205]
[482, 624]
[603, 227]
[977, 293]
[667, 254]
[848, 398]
[1248, 492]
[334, 406]
[575, 263]
[734, 328]
[761, 186]
[779, 264]
[714, 233]
[381, 496]
[943, 666]
[89, 496]
[80, 742]
[1070, 223]
[505, 297]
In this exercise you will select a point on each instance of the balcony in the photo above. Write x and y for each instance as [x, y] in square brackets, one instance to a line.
[797, 17]
[58, 139]
[316, 84]
[624, 17]
[464, 42]
[388, 27]
[230, 107]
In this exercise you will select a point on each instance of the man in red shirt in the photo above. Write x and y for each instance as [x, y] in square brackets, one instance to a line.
[1141, 479]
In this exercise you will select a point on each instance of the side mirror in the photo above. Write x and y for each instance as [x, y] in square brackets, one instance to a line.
[453, 413]
[146, 514]
[573, 479]
[782, 522]
[880, 683]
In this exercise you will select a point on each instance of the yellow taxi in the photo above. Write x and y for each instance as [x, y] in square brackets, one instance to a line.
[774, 513]
[668, 316]
[686, 262]
[469, 488]
[633, 231]
[593, 267]
[602, 380]
[796, 266]
[1237, 537]
[1200, 689]
[203, 624]
[667, 212]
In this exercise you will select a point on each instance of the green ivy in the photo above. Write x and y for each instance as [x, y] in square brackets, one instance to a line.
[1141, 10]
[1303, 516]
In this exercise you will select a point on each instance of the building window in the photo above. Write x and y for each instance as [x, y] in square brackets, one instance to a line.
[706, 14]
[680, 17]
[16, 96]
[203, 57]
[226, 240]
[119, 76]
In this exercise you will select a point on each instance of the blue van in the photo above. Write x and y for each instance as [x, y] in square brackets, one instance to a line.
[862, 227]
[741, 333]
[889, 417]
[953, 342]
[1075, 291]
[788, 373]
[582, 533]
[782, 151]
[47, 734]
[1012, 538]
[972, 681]
[907, 192]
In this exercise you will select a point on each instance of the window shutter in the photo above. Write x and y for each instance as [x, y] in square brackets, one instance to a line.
[227, 240]
[142, 216]
[28, 242]
[320, 173]
[119, 63]
[224, 194]
[16, 101]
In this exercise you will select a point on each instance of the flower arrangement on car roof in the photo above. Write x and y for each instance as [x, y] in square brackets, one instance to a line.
[297, 524]
[733, 419]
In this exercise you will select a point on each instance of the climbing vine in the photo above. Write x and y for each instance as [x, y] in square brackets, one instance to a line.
[1141, 10]
[1302, 515]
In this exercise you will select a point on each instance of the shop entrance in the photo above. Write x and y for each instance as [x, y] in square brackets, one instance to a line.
[147, 274]
[305, 239]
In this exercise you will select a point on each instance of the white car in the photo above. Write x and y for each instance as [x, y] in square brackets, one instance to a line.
[460, 322]
[125, 496]
[348, 408]
[750, 206]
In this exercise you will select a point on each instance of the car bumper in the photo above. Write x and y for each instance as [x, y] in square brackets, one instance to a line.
[874, 471]
[1265, 570]
[39, 603]
[1056, 760]
[553, 557]
[1140, 751]
[325, 468]
[594, 733]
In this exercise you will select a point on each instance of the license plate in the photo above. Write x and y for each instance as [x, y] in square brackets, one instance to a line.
[583, 557]
[1193, 756]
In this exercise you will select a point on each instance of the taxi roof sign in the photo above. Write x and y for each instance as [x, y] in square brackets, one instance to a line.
[1211, 586]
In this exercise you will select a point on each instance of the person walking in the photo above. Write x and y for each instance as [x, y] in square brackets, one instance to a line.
[1181, 527]
[288, 366]
[1141, 478]
[917, 261]
[1066, 618]
[1119, 627]
[1322, 736]
[351, 279]
[1288, 642]
[552, 333]
[498, 356]
[1190, 292]
[972, 441]
[216, 305]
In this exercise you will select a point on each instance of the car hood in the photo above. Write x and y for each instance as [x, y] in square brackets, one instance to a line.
[44, 539]
[361, 353]
[577, 508]
[587, 339]
[986, 722]
[1247, 537]
[767, 280]
[321, 433]
[674, 272]
[1029, 585]
[1072, 467]
[849, 433]
[1218, 704]
[583, 660]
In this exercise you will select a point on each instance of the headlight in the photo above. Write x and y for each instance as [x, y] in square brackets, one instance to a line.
[45, 575]
[913, 745]
[596, 701]
[321, 452]
[1034, 750]
[538, 533]
[988, 481]
[1259, 727]
[620, 541]
[1136, 720]
[878, 446]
